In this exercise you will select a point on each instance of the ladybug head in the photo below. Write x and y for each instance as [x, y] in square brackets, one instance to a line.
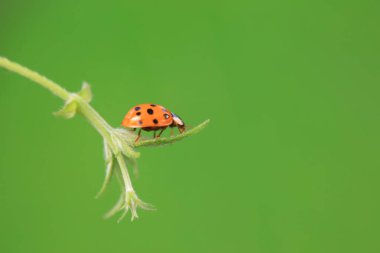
[179, 123]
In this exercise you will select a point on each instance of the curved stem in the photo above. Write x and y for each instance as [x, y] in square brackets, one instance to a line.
[34, 76]
[87, 111]
[104, 129]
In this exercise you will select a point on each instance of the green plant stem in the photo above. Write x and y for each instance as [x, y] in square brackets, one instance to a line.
[34, 76]
[124, 173]
[83, 107]
[86, 110]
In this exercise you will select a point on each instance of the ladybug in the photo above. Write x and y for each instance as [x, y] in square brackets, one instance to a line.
[152, 117]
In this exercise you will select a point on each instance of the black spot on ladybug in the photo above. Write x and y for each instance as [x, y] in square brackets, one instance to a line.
[137, 108]
[140, 122]
[150, 111]
[153, 105]
[166, 116]
[138, 113]
[155, 121]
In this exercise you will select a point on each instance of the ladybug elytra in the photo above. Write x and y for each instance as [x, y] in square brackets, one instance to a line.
[151, 117]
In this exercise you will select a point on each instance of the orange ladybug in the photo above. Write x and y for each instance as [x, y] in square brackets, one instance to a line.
[152, 117]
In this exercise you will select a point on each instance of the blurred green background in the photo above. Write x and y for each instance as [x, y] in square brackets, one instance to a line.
[289, 163]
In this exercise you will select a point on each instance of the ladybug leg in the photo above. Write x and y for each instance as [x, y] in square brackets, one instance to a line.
[138, 135]
[181, 129]
[158, 136]
[171, 131]
[154, 134]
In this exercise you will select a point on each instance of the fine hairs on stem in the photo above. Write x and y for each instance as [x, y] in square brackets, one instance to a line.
[119, 146]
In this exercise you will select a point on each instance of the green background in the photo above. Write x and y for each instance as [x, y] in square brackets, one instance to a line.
[289, 163]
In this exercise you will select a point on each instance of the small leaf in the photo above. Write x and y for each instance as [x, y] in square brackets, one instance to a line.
[107, 152]
[118, 206]
[135, 167]
[109, 169]
[107, 179]
[68, 111]
[86, 92]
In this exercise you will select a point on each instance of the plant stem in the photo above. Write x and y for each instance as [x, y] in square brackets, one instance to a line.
[87, 111]
[34, 76]
[124, 173]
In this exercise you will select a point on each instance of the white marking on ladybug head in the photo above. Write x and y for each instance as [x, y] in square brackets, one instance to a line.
[178, 120]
